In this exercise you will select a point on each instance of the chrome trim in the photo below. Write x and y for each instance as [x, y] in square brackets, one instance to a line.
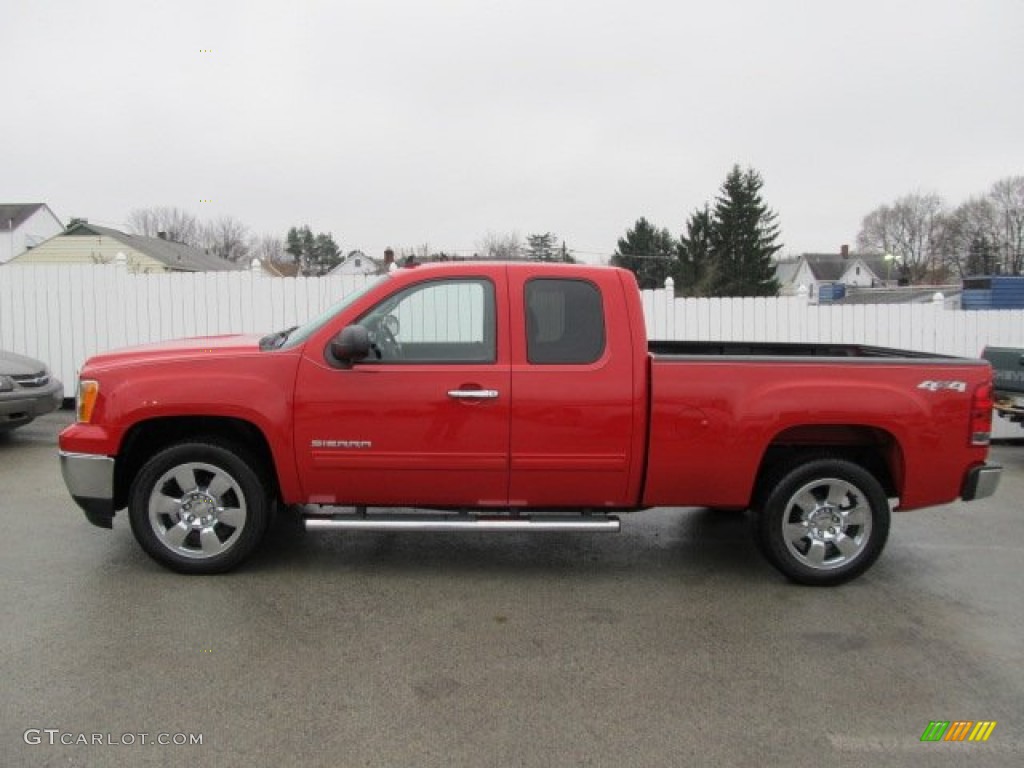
[982, 482]
[88, 475]
[384, 523]
[827, 523]
[33, 380]
[204, 517]
[473, 394]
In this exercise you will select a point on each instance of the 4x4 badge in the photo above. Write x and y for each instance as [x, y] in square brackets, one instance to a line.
[939, 386]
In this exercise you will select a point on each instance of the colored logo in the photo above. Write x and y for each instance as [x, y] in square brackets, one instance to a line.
[958, 730]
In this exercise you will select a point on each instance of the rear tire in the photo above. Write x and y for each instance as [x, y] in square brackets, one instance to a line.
[198, 507]
[823, 522]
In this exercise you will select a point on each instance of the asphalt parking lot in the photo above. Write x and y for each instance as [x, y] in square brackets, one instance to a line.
[669, 644]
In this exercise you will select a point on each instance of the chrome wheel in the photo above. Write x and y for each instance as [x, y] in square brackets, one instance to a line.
[199, 507]
[197, 510]
[827, 523]
[823, 521]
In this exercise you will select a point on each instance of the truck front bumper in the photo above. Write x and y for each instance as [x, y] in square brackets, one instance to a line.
[90, 480]
[981, 482]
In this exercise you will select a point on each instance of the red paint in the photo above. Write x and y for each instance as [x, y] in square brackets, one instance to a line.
[623, 431]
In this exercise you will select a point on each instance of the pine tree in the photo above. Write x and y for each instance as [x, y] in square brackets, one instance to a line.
[648, 252]
[541, 247]
[743, 238]
[697, 268]
[315, 254]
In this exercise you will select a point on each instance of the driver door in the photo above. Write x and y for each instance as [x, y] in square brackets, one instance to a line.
[425, 420]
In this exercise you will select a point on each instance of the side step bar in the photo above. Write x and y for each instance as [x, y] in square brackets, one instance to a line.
[461, 523]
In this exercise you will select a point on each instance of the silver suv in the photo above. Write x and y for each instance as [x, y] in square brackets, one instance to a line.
[27, 390]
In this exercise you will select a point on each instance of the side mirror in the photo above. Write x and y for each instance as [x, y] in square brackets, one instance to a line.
[351, 345]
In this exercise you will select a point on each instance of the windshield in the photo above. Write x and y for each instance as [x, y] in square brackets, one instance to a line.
[303, 332]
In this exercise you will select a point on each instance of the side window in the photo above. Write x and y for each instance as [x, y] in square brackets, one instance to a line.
[444, 321]
[564, 322]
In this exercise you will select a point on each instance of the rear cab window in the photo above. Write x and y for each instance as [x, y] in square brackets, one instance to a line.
[564, 322]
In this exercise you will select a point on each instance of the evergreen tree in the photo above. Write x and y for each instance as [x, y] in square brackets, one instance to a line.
[547, 248]
[743, 238]
[648, 252]
[540, 247]
[697, 269]
[315, 254]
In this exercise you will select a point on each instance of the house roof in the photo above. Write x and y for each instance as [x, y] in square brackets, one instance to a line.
[175, 256]
[830, 267]
[13, 215]
[785, 271]
[280, 268]
[377, 265]
[907, 295]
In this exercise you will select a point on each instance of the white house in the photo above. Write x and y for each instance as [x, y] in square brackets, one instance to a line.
[85, 243]
[24, 226]
[813, 270]
[357, 263]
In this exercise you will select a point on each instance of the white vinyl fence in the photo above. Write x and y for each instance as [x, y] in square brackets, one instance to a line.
[64, 314]
[930, 327]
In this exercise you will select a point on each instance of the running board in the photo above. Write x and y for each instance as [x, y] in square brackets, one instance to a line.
[537, 524]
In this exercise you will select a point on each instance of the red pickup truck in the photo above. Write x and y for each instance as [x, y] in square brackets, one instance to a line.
[519, 397]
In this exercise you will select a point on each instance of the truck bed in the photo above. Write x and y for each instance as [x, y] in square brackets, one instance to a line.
[771, 349]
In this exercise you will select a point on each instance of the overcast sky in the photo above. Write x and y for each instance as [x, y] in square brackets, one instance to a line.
[404, 122]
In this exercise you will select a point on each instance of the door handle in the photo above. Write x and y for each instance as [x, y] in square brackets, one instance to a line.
[473, 394]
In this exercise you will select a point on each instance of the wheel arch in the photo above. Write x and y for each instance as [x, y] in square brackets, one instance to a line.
[145, 439]
[876, 450]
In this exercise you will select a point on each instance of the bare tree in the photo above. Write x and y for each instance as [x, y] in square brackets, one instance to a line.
[1007, 199]
[908, 230]
[967, 238]
[268, 248]
[176, 224]
[417, 254]
[227, 237]
[507, 247]
[985, 235]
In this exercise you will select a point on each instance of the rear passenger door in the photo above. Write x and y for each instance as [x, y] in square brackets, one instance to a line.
[573, 404]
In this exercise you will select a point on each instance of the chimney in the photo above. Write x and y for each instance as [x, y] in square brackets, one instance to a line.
[844, 251]
[163, 235]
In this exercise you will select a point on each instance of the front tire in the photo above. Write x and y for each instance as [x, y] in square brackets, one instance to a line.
[823, 522]
[198, 507]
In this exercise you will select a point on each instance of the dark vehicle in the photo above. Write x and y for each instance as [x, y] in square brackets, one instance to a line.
[1008, 369]
[27, 390]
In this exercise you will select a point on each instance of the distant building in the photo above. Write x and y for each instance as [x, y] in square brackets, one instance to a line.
[24, 226]
[357, 263]
[818, 271]
[85, 243]
[279, 268]
[951, 295]
[993, 292]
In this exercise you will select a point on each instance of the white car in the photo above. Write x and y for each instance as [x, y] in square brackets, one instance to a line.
[27, 390]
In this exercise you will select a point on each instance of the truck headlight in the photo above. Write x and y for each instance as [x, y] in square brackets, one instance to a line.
[6, 384]
[88, 391]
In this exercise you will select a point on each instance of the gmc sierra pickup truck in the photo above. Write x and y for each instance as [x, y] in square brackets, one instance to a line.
[519, 397]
